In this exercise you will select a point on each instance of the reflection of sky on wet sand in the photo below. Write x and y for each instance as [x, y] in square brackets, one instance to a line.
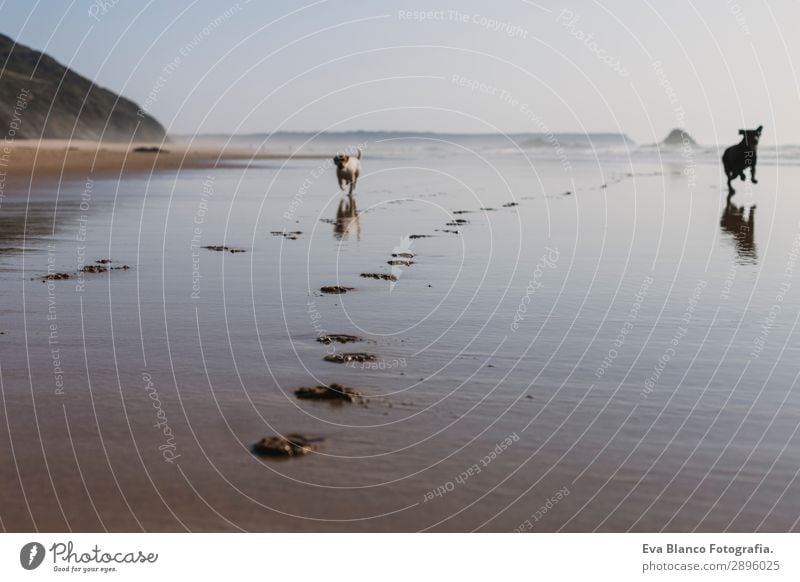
[16, 225]
[43, 226]
[28, 226]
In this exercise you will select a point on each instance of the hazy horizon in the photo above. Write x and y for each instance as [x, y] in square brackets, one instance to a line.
[556, 132]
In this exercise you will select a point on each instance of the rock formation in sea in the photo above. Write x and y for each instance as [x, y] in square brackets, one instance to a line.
[677, 137]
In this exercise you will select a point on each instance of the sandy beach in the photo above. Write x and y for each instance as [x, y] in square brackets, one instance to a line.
[25, 160]
[521, 349]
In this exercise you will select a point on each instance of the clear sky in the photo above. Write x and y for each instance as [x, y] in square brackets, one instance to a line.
[639, 67]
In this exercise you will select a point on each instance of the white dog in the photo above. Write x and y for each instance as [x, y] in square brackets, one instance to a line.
[347, 170]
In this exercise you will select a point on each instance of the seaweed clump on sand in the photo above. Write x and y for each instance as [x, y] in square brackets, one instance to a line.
[149, 150]
[379, 276]
[93, 269]
[291, 235]
[339, 338]
[334, 289]
[101, 267]
[332, 392]
[222, 248]
[291, 445]
[345, 357]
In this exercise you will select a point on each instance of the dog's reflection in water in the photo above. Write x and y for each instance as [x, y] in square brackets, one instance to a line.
[347, 219]
[743, 231]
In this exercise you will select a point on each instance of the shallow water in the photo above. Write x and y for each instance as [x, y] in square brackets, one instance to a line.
[623, 343]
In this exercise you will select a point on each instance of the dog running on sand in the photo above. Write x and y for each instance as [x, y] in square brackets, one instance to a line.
[739, 157]
[348, 169]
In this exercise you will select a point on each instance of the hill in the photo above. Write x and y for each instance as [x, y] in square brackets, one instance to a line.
[40, 98]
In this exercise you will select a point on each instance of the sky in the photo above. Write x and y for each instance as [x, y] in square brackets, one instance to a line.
[640, 68]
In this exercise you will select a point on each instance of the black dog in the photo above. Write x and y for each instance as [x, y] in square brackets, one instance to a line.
[741, 156]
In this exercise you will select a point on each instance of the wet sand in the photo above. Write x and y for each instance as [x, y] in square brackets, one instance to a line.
[500, 396]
